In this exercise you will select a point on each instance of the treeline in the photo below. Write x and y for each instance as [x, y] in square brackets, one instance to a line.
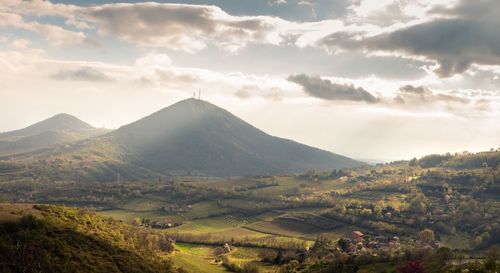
[464, 160]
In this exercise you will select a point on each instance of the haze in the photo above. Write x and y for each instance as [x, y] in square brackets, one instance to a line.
[367, 79]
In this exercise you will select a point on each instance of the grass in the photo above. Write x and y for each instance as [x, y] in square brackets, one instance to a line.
[212, 224]
[194, 249]
[13, 212]
[286, 228]
[200, 258]
[196, 258]
[142, 205]
[286, 185]
[224, 226]
[205, 209]
[244, 255]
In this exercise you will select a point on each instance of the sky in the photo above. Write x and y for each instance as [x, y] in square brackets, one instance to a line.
[370, 79]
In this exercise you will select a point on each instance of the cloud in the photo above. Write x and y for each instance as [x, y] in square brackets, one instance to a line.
[20, 44]
[382, 12]
[325, 89]
[254, 90]
[418, 95]
[277, 2]
[85, 73]
[182, 27]
[55, 35]
[38, 8]
[479, 79]
[458, 38]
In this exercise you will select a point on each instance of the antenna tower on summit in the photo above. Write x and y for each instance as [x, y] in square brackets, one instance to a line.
[199, 93]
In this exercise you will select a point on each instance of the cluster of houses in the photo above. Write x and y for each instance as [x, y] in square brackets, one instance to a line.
[358, 243]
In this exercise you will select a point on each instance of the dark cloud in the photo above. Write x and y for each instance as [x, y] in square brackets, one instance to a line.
[82, 74]
[328, 90]
[463, 38]
[420, 90]
[418, 95]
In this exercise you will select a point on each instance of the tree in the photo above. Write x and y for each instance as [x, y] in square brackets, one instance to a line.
[250, 268]
[417, 202]
[426, 235]
[411, 267]
[321, 243]
[343, 244]
[291, 267]
[438, 262]
[137, 221]
[268, 255]
[490, 263]
[413, 162]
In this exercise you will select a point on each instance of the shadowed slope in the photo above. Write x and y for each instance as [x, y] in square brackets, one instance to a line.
[197, 136]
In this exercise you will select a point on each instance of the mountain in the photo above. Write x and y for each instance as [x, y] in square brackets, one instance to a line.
[191, 137]
[195, 136]
[61, 128]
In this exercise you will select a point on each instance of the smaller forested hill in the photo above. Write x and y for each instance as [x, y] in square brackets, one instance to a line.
[61, 128]
[60, 122]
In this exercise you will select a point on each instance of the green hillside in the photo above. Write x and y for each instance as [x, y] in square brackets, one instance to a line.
[56, 239]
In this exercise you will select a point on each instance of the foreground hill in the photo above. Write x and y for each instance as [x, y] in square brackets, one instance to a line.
[191, 137]
[56, 239]
[61, 128]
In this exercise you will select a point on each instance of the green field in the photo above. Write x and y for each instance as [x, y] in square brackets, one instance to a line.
[196, 258]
